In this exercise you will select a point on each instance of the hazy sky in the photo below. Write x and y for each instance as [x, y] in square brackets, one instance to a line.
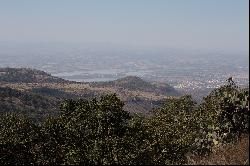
[202, 24]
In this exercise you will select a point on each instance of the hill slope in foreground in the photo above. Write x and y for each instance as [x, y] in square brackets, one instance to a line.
[23, 84]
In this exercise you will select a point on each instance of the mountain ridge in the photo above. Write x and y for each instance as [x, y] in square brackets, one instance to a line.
[138, 95]
[27, 75]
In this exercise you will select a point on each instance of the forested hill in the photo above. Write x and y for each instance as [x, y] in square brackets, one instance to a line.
[26, 75]
[134, 83]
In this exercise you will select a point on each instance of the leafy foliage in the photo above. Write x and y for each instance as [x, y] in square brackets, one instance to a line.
[172, 130]
[95, 127]
[17, 137]
[100, 132]
[224, 116]
[33, 105]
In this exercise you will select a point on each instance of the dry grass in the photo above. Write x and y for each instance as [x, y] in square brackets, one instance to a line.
[81, 88]
[237, 154]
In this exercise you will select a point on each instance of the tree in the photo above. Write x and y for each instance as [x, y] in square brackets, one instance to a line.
[172, 129]
[224, 116]
[17, 137]
[95, 128]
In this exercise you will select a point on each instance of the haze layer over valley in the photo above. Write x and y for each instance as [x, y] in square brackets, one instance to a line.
[187, 70]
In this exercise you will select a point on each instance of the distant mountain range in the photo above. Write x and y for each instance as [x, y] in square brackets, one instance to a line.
[36, 92]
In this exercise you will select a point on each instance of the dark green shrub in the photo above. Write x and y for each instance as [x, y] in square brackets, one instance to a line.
[224, 116]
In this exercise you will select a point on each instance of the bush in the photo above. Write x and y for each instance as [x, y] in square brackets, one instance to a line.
[172, 131]
[224, 116]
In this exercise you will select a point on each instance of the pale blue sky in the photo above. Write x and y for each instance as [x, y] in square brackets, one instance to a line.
[196, 24]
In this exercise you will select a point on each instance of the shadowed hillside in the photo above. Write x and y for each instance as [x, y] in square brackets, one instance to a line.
[137, 84]
[26, 75]
[33, 105]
